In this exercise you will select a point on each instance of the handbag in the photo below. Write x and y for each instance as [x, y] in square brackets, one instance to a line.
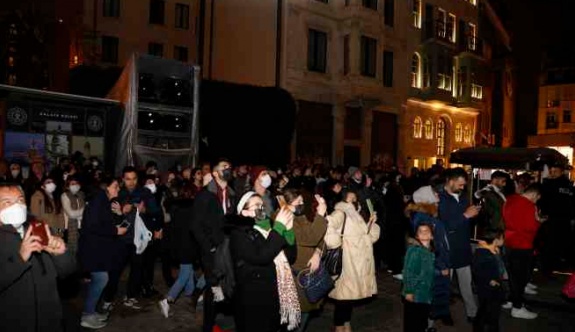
[332, 259]
[316, 285]
[569, 287]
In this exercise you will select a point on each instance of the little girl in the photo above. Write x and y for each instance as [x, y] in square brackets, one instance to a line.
[418, 275]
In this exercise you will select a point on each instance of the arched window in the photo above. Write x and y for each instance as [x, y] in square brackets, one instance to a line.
[417, 127]
[428, 129]
[416, 71]
[458, 132]
[467, 134]
[441, 137]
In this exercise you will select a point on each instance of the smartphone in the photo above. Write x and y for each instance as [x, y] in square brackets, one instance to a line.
[125, 224]
[39, 230]
[281, 201]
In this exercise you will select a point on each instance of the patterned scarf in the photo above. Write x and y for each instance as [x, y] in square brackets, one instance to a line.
[290, 310]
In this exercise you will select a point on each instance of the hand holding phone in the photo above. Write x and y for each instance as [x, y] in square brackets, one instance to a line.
[282, 201]
[39, 230]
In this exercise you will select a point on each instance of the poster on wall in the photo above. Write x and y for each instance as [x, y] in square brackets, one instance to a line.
[88, 146]
[24, 148]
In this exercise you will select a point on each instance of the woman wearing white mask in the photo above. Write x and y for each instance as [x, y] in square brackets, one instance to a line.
[73, 203]
[44, 207]
[261, 182]
[15, 175]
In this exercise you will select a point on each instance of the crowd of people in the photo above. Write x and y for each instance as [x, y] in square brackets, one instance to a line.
[273, 225]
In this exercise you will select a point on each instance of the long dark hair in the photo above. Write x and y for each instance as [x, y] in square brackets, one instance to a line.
[309, 202]
[56, 207]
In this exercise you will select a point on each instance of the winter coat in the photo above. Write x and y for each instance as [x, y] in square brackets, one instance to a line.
[100, 247]
[208, 221]
[487, 267]
[458, 228]
[425, 213]
[557, 199]
[418, 272]
[256, 294]
[357, 280]
[29, 300]
[185, 249]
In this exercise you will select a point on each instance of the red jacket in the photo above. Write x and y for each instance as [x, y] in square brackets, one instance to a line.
[521, 224]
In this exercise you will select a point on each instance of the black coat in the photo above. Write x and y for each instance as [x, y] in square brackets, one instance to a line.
[100, 249]
[256, 294]
[29, 299]
[184, 246]
[208, 221]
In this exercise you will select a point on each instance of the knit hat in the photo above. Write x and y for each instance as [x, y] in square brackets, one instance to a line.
[255, 172]
[425, 195]
[244, 200]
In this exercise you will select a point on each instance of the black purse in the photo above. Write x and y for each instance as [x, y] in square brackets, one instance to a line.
[332, 259]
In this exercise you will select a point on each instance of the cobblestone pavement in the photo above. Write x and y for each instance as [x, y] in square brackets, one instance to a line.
[383, 313]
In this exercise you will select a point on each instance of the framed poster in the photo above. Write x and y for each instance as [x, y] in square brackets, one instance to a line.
[24, 148]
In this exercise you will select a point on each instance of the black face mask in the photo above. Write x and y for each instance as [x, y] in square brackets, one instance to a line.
[227, 175]
[260, 214]
[298, 211]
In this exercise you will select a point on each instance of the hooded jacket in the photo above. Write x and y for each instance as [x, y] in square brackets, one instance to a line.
[29, 300]
[418, 272]
[427, 213]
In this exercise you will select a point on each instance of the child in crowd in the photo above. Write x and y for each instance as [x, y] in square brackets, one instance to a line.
[418, 276]
[488, 271]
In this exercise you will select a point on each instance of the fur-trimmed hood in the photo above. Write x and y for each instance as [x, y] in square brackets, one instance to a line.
[430, 209]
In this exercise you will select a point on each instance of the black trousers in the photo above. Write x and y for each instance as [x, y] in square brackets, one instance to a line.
[149, 258]
[111, 289]
[134, 288]
[487, 319]
[342, 313]
[520, 271]
[415, 316]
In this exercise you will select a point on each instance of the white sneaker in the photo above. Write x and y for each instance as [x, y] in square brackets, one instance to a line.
[530, 291]
[507, 305]
[165, 308]
[523, 313]
[532, 286]
[132, 303]
[92, 322]
[398, 277]
[108, 307]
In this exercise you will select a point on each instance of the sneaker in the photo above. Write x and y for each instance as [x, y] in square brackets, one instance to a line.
[532, 286]
[108, 307]
[92, 322]
[398, 277]
[132, 303]
[100, 317]
[165, 308]
[507, 305]
[530, 291]
[523, 313]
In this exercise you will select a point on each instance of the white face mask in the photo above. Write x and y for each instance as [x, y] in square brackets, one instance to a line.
[15, 173]
[74, 189]
[14, 215]
[152, 188]
[50, 187]
[266, 181]
[95, 163]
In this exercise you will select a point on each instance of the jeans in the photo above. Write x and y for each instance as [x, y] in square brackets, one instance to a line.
[95, 289]
[186, 282]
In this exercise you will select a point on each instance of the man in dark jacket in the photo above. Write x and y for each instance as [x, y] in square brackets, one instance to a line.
[211, 206]
[455, 212]
[29, 298]
[492, 199]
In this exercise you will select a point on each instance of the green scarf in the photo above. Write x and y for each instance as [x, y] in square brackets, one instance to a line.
[288, 235]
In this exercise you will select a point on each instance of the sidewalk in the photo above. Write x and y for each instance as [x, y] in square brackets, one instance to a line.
[384, 313]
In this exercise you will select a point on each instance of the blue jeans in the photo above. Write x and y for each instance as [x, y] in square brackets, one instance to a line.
[186, 282]
[95, 289]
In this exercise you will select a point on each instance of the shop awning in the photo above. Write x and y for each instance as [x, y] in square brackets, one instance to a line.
[509, 158]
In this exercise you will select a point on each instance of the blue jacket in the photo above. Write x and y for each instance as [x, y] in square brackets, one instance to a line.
[440, 241]
[458, 228]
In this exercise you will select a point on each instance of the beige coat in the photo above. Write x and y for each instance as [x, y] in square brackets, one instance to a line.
[357, 280]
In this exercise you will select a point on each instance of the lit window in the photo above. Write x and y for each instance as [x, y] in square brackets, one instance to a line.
[416, 14]
[467, 134]
[476, 91]
[472, 38]
[417, 127]
[441, 23]
[415, 71]
[428, 129]
[458, 132]
[451, 30]
[444, 82]
[441, 137]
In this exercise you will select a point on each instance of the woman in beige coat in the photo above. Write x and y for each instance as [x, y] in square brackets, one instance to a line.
[357, 280]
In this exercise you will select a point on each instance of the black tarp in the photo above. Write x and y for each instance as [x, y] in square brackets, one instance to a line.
[509, 158]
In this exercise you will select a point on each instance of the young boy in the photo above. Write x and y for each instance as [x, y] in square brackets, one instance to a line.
[488, 271]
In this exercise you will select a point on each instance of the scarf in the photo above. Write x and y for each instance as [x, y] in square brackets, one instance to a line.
[290, 311]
